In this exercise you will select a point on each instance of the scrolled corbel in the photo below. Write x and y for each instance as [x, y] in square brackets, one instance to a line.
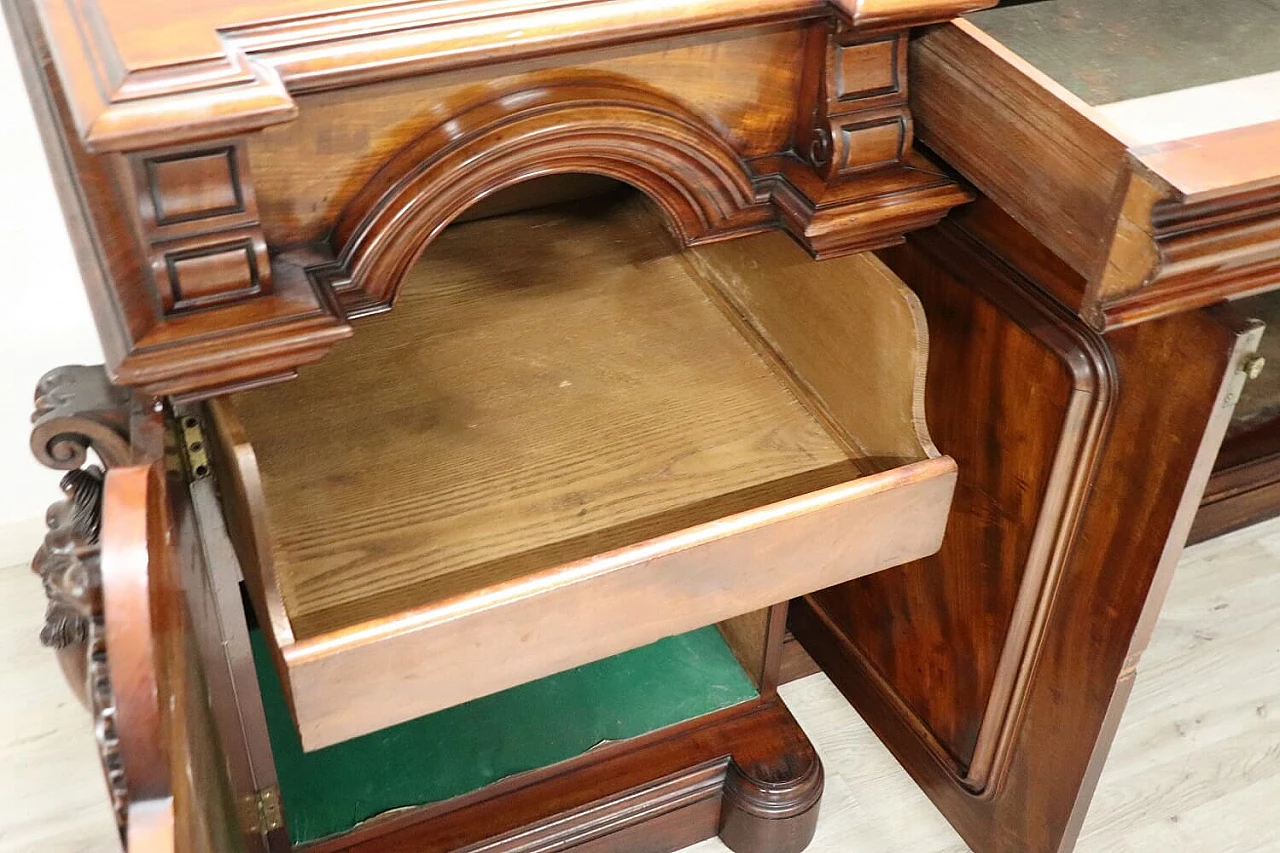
[78, 409]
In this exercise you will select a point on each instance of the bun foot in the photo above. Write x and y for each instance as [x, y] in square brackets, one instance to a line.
[771, 801]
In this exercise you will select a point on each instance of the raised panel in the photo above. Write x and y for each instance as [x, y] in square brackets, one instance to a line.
[867, 69]
[1023, 459]
[194, 186]
[208, 274]
[870, 144]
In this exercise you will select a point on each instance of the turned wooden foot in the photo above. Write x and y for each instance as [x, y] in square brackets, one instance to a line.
[772, 791]
[775, 815]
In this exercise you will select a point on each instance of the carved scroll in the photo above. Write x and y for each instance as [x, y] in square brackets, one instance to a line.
[78, 410]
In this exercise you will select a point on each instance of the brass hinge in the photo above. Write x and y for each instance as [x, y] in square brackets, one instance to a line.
[262, 811]
[194, 449]
[1253, 366]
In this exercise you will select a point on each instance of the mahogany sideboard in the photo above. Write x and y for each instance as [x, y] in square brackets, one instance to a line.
[490, 386]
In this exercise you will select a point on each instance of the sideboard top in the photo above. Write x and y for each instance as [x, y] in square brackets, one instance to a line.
[147, 73]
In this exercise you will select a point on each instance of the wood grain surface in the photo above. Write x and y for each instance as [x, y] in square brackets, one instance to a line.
[574, 392]
[577, 421]
[1086, 629]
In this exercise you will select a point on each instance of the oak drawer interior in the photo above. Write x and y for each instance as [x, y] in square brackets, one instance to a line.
[566, 440]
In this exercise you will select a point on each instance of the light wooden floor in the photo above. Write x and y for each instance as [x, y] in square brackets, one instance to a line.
[1195, 769]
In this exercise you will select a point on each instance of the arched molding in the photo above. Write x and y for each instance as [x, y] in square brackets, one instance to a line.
[601, 126]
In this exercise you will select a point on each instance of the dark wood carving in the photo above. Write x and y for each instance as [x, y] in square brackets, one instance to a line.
[67, 564]
[76, 410]
[70, 567]
[102, 705]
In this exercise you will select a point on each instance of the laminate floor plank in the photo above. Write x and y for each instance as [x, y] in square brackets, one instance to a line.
[52, 796]
[1195, 767]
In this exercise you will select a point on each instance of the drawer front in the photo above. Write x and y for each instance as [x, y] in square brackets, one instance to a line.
[401, 668]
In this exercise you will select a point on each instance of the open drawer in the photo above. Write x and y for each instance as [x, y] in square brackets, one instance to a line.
[568, 440]
[1116, 136]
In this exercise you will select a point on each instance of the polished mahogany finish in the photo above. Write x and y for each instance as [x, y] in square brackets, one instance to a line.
[242, 187]
[168, 147]
[247, 189]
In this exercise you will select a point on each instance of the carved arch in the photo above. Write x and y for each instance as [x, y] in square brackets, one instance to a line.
[603, 126]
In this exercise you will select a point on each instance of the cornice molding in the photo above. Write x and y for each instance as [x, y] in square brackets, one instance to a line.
[119, 104]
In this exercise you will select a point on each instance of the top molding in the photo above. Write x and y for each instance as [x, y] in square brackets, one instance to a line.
[154, 73]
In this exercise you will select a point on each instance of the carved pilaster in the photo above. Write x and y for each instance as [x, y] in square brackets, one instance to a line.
[76, 410]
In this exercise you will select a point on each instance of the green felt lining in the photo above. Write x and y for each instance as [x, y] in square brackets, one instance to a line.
[462, 749]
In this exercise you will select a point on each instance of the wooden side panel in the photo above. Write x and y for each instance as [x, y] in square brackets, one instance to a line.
[756, 639]
[1161, 430]
[913, 625]
[847, 329]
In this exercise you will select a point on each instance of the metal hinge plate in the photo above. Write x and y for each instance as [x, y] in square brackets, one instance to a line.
[262, 811]
[194, 449]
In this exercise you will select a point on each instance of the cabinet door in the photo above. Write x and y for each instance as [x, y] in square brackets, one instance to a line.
[171, 740]
[1083, 373]
[997, 669]
[1245, 486]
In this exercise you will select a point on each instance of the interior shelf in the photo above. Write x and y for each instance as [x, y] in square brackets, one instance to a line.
[462, 749]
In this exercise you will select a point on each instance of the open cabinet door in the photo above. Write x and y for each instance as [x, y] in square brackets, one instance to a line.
[160, 746]
[1084, 400]
[997, 670]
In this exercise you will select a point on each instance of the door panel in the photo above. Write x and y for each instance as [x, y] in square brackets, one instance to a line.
[160, 741]
[997, 670]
